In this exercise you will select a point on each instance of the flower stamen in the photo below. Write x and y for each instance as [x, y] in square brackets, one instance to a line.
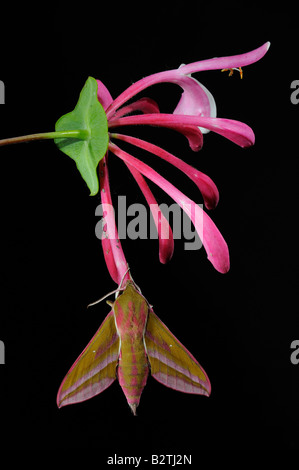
[231, 71]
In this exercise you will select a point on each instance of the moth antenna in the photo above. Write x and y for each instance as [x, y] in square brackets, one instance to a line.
[137, 287]
[116, 291]
[103, 298]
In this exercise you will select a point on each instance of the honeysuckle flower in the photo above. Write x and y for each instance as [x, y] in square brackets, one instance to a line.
[91, 130]
[194, 115]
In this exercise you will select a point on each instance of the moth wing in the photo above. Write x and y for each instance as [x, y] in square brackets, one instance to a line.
[171, 363]
[95, 368]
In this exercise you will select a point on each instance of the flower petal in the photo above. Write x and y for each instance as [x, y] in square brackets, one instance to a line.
[236, 131]
[204, 183]
[196, 100]
[212, 239]
[145, 105]
[190, 131]
[104, 96]
[177, 75]
[112, 249]
[137, 88]
[229, 62]
[166, 243]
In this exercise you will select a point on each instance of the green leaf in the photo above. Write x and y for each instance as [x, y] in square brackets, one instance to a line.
[87, 151]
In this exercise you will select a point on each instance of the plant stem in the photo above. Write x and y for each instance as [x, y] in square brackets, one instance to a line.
[76, 134]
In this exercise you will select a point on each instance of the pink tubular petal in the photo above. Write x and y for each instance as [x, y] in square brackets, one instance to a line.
[137, 88]
[169, 76]
[176, 75]
[109, 228]
[228, 62]
[189, 130]
[236, 131]
[112, 249]
[196, 100]
[192, 133]
[205, 185]
[108, 256]
[145, 105]
[210, 236]
[104, 96]
[166, 244]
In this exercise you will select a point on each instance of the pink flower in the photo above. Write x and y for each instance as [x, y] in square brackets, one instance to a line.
[194, 115]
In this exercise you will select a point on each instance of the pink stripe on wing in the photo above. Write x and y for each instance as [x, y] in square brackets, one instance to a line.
[176, 367]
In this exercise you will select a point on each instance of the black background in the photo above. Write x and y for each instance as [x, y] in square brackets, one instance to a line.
[239, 325]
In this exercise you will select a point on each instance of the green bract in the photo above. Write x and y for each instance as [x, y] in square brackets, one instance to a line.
[87, 151]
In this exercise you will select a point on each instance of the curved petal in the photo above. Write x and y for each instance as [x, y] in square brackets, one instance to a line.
[228, 62]
[112, 249]
[166, 243]
[196, 100]
[194, 91]
[137, 87]
[209, 234]
[236, 131]
[177, 75]
[108, 254]
[204, 183]
[190, 131]
[145, 105]
[104, 96]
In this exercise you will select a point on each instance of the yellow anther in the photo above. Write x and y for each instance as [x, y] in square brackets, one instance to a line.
[231, 71]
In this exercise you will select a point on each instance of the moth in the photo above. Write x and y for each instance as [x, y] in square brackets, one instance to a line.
[131, 343]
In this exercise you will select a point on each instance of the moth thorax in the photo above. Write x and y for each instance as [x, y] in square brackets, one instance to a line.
[130, 319]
